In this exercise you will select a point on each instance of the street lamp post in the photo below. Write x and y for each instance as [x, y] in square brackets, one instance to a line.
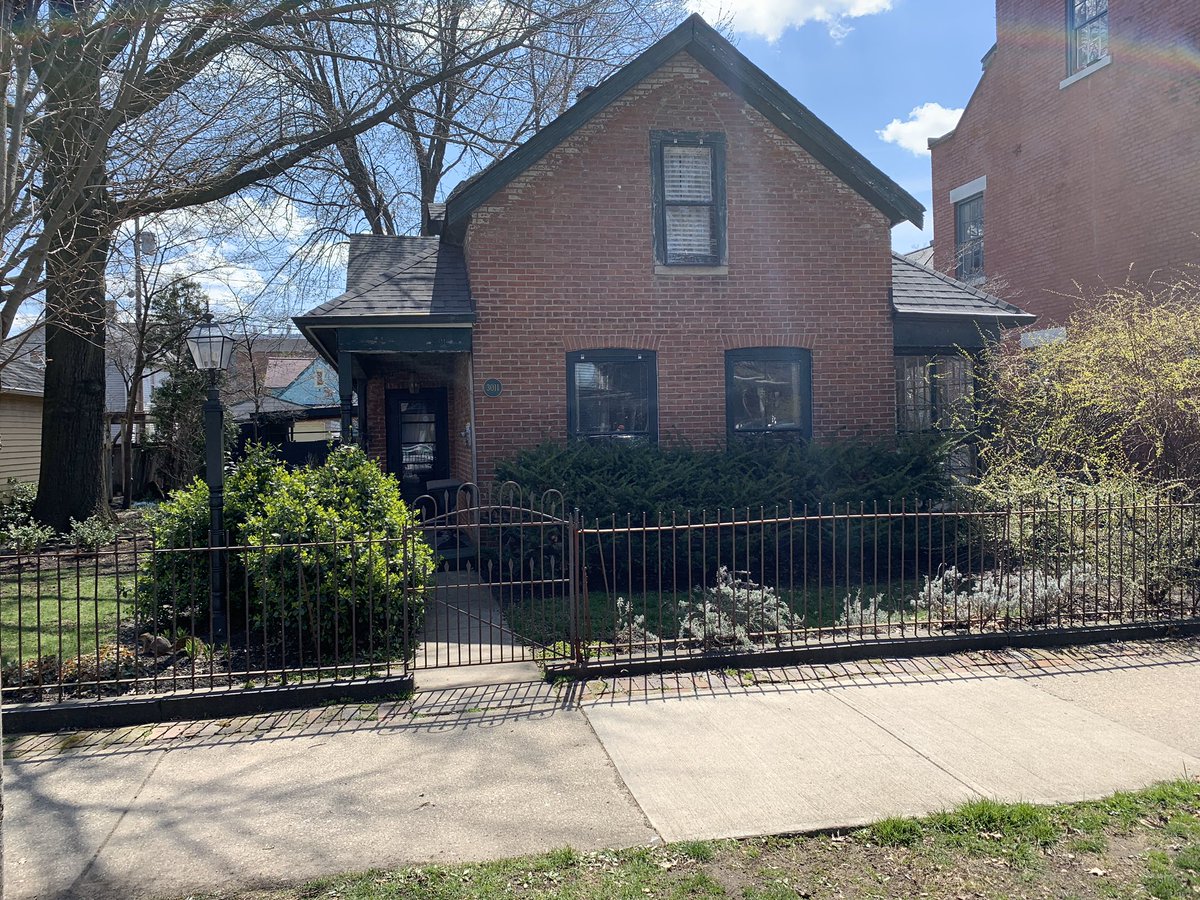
[212, 351]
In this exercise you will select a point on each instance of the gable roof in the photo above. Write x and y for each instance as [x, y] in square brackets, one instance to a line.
[922, 256]
[759, 90]
[398, 279]
[920, 290]
[283, 370]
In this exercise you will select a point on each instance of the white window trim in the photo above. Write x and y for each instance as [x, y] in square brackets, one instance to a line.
[969, 190]
[1099, 64]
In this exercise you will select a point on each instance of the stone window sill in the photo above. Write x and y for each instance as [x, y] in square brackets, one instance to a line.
[1099, 64]
[691, 270]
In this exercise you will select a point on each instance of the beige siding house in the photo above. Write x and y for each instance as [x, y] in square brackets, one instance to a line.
[20, 418]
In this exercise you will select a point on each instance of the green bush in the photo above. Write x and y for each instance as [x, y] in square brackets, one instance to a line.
[92, 533]
[325, 557]
[28, 538]
[16, 503]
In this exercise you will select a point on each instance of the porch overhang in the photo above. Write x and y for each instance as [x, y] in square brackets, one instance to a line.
[338, 343]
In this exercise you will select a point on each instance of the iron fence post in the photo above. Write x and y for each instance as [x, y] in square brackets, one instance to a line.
[573, 588]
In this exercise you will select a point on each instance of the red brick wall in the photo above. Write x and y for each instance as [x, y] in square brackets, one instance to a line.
[1087, 182]
[562, 259]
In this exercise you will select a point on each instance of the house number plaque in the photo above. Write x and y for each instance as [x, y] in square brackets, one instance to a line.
[492, 387]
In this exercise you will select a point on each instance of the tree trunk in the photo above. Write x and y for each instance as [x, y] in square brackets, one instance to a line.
[70, 483]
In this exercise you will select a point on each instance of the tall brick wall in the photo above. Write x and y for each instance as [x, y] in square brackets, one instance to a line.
[1086, 183]
[562, 259]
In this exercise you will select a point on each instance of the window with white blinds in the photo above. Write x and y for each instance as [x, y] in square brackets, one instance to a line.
[689, 198]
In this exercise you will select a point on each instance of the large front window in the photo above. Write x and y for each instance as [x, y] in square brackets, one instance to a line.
[768, 390]
[612, 394]
[688, 171]
[1087, 33]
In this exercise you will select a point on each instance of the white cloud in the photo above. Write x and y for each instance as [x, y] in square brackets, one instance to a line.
[771, 18]
[924, 122]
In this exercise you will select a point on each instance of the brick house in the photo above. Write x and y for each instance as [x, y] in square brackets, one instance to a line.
[687, 254]
[1077, 159]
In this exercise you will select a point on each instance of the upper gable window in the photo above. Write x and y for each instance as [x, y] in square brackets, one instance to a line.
[688, 171]
[1087, 33]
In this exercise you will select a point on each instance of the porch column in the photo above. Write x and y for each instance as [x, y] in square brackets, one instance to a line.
[346, 392]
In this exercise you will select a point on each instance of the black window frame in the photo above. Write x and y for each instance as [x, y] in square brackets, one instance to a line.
[964, 247]
[769, 354]
[932, 359]
[613, 354]
[1074, 27]
[716, 141]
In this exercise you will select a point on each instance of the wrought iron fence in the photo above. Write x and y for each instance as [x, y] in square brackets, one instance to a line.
[519, 580]
[785, 578]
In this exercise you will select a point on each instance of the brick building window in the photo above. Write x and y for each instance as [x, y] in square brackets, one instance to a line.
[1087, 33]
[968, 238]
[768, 390]
[688, 174]
[612, 394]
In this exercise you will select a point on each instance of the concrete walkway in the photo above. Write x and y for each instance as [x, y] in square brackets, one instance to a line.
[479, 772]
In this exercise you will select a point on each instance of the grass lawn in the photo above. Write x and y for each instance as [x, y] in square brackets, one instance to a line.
[1134, 845]
[77, 610]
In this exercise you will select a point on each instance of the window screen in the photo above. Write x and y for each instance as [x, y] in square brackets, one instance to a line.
[689, 198]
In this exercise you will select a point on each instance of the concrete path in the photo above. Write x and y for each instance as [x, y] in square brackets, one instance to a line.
[466, 642]
[786, 758]
[470, 773]
[460, 775]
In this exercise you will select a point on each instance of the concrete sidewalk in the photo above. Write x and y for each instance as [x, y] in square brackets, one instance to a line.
[480, 772]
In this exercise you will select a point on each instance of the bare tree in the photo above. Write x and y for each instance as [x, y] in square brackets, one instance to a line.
[123, 108]
[386, 179]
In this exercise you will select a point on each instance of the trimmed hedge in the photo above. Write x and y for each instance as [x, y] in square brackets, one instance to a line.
[606, 478]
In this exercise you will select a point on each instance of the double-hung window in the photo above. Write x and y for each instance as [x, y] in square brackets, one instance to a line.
[1087, 33]
[768, 391]
[968, 238]
[612, 394]
[688, 173]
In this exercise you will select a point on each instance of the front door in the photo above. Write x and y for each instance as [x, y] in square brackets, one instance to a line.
[418, 439]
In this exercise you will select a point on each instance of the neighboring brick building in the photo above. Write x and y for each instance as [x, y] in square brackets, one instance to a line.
[1077, 159]
[687, 254]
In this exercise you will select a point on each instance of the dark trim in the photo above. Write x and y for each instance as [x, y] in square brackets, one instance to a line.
[724, 60]
[914, 330]
[404, 340]
[773, 354]
[715, 140]
[40, 718]
[612, 354]
[899, 648]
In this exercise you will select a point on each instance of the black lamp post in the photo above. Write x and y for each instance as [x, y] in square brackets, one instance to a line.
[212, 351]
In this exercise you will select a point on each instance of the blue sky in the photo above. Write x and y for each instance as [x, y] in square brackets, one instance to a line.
[860, 72]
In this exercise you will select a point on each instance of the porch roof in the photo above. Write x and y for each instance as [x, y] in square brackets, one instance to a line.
[918, 289]
[398, 280]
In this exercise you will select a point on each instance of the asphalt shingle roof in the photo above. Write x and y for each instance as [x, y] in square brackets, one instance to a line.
[400, 276]
[23, 374]
[922, 290]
